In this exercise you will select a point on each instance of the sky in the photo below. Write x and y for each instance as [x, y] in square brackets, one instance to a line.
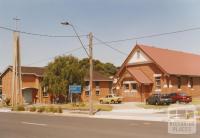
[107, 19]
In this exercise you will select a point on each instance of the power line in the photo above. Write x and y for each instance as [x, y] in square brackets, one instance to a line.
[151, 36]
[37, 34]
[67, 52]
[102, 42]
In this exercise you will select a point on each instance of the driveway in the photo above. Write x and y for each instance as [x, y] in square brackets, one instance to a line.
[130, 111]
[125, 106]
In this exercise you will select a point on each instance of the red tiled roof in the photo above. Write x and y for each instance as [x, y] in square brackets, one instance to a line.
[97, 77]
[174, 62]
[139, 76]
[37, 71]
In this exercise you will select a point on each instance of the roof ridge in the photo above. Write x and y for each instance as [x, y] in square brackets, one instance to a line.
[171, 50]
[27, 66]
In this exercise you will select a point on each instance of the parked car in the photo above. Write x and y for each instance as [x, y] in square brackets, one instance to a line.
[159, 99]
[111, 98]
[180, 97]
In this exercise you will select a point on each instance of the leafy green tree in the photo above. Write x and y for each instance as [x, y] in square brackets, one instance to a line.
[62, 72]
[107, 69]
[69, 70]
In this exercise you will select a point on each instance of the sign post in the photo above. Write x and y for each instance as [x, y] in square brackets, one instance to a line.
[74, 89]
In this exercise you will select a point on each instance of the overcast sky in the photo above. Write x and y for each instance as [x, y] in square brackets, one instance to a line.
[107, 19]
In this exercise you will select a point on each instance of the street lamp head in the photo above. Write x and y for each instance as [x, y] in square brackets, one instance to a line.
[65, 23]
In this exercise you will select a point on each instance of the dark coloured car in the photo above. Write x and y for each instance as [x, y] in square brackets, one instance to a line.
[180, 97]
[159, 99]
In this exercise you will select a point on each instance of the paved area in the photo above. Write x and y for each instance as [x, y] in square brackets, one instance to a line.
[42, 126]
[162, 117]
[125, 106]
[129, 111]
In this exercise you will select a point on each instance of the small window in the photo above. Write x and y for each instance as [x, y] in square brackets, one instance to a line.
[179, 82]
[126, 86]
[134, 86]
[191, 82]
[45, 94]
[138, 54]
[167, 80]
[158, 83]
[97, 93]
[87, 83]
[96, 83]
[87, 93]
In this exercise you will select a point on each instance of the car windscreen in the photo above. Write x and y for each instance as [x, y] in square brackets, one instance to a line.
[182, 94]
[165, 96]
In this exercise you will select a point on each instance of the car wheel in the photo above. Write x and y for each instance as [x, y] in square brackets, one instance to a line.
[156, 103]
[101, 102]
[112, 101]
[119, 102]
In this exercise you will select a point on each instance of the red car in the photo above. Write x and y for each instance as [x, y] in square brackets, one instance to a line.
[180, 97]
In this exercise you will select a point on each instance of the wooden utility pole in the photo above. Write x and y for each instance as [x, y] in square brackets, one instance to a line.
[91, 72]
[16, 68]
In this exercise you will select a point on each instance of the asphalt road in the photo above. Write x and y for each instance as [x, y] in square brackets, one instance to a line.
[14, 125]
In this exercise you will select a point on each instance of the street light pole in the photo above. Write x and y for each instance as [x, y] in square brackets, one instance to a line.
[90, 56]
[67, 23]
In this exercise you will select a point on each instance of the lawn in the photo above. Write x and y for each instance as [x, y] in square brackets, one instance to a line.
[85, 107]
[79, 106]
[196, 101]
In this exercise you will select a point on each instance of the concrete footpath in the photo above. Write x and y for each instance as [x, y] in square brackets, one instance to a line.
[135, 114]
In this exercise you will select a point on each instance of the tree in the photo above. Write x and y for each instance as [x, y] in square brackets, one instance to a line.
[107, 69]
[69, 70]
[62, 72]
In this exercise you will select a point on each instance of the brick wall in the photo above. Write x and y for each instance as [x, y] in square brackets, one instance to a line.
[149, 69]
[6, 84]
[28, 81]
[104, 88]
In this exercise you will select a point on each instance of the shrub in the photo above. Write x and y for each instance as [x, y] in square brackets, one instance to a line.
[51, 109]
[82, 104]
[41, 109]
[7, 101]
[59, 110]
[32, 109]
[18, 108]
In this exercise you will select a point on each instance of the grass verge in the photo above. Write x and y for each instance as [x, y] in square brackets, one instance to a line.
[85, 107]
[196, 101]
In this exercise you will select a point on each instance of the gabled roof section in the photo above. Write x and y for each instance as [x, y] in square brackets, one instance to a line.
[139, 76]
[169, 61]
[138, 57]
[37, 71]
[97, 76]
[174, 62]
